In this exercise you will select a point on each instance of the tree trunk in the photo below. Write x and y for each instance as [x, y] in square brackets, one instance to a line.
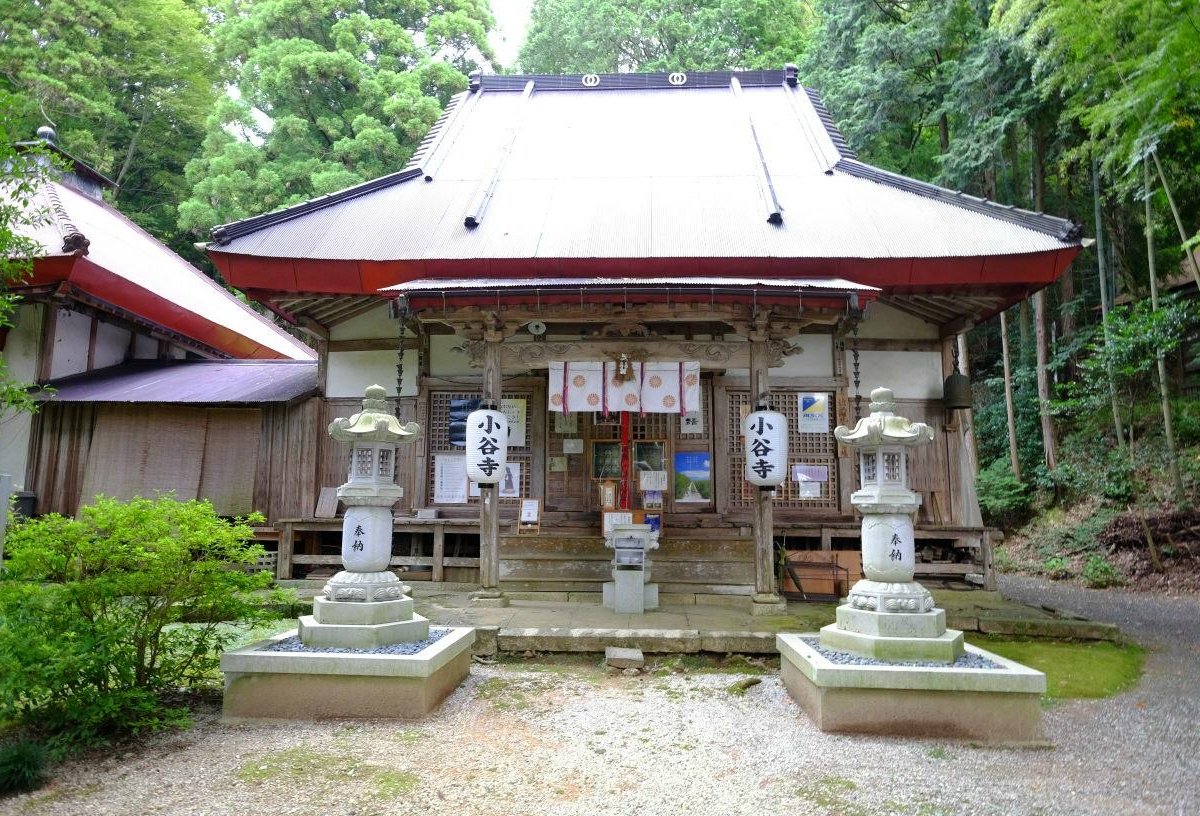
[1008, 398]
[1105, 299]
[132, 150]
[1038, 168]
[1026, 334]
[1014, 161]
[1183, 236]
[1049, 444]
[944, 133]
[1163, 392]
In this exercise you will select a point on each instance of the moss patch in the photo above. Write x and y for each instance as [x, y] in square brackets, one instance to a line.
[390, 784]
[831, 793]
[310, 764]
[801, 617]
[507, 694]
[1073, 670]
[704, 663]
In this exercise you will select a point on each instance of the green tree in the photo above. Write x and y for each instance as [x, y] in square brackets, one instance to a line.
[329, 93]
[103, 617]
[127, 84]
[20, 176]
[886, 69]
[609, 36]
[1125, 68]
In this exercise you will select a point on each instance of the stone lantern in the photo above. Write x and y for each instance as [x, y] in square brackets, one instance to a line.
[887, 613]
[364, 605]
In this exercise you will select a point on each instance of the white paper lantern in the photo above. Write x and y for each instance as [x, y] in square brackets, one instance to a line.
[487, 446]
[766, 448]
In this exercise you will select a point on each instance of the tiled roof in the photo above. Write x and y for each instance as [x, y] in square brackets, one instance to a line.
[192, 381]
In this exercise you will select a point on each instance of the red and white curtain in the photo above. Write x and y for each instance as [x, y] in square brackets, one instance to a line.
[651, 388]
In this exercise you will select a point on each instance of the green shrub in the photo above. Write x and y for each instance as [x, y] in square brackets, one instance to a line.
[92, 638]
[1003, 499]
[22, 766]
[1057, 568]
[1098, 572]
[1070, 535]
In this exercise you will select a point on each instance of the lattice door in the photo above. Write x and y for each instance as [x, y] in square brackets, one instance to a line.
[574, 488]
[438, 435]
[819, 449]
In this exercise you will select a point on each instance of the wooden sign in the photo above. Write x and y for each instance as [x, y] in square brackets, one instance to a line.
[529, 520]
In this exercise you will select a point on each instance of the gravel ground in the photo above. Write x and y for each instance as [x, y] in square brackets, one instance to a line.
[576, 741]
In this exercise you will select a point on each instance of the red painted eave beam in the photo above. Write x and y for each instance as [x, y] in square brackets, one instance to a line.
[892, 275]
[103, 285]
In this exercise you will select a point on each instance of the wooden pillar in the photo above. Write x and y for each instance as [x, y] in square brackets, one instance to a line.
[439, 553]
[766, 600]
[287, 543]
[489, 593]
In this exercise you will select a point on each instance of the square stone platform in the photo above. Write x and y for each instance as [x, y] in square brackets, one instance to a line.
[343, 685]
[983, 705]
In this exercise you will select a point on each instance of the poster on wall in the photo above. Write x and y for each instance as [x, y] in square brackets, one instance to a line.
[814, 413]
[459, 409]
[566, 423]
[693, 477]
[514, 409]
[449, 479]
[509, 486]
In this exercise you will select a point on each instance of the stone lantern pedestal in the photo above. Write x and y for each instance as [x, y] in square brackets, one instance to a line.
[365, 606]
[887, 614]
[891, 620]
[345, 666]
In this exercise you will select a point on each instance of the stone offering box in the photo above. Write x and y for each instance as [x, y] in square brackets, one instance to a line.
[1000, 705]
[343, 685]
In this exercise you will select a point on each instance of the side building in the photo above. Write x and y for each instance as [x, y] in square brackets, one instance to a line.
[155, 373]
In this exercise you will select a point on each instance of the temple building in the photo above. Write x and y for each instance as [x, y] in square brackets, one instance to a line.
[155, 375]
[627, 264]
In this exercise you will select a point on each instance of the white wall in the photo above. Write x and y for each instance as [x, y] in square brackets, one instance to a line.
[112, 345]
[21, 357]
[72, 334]
[145, 347]
[444, 361]
[373, 324]
[884, 322]
[910, 374]
[815, 359]
[350, 372]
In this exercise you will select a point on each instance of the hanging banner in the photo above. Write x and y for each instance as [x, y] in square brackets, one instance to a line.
[649, 388]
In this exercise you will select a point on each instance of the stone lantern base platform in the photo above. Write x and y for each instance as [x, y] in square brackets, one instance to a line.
[343, 685]
[999, 705]
[352, 625]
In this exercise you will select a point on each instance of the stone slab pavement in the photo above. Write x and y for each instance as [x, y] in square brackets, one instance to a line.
[562, 625]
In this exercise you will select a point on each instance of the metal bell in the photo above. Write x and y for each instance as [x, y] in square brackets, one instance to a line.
[956, 392]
